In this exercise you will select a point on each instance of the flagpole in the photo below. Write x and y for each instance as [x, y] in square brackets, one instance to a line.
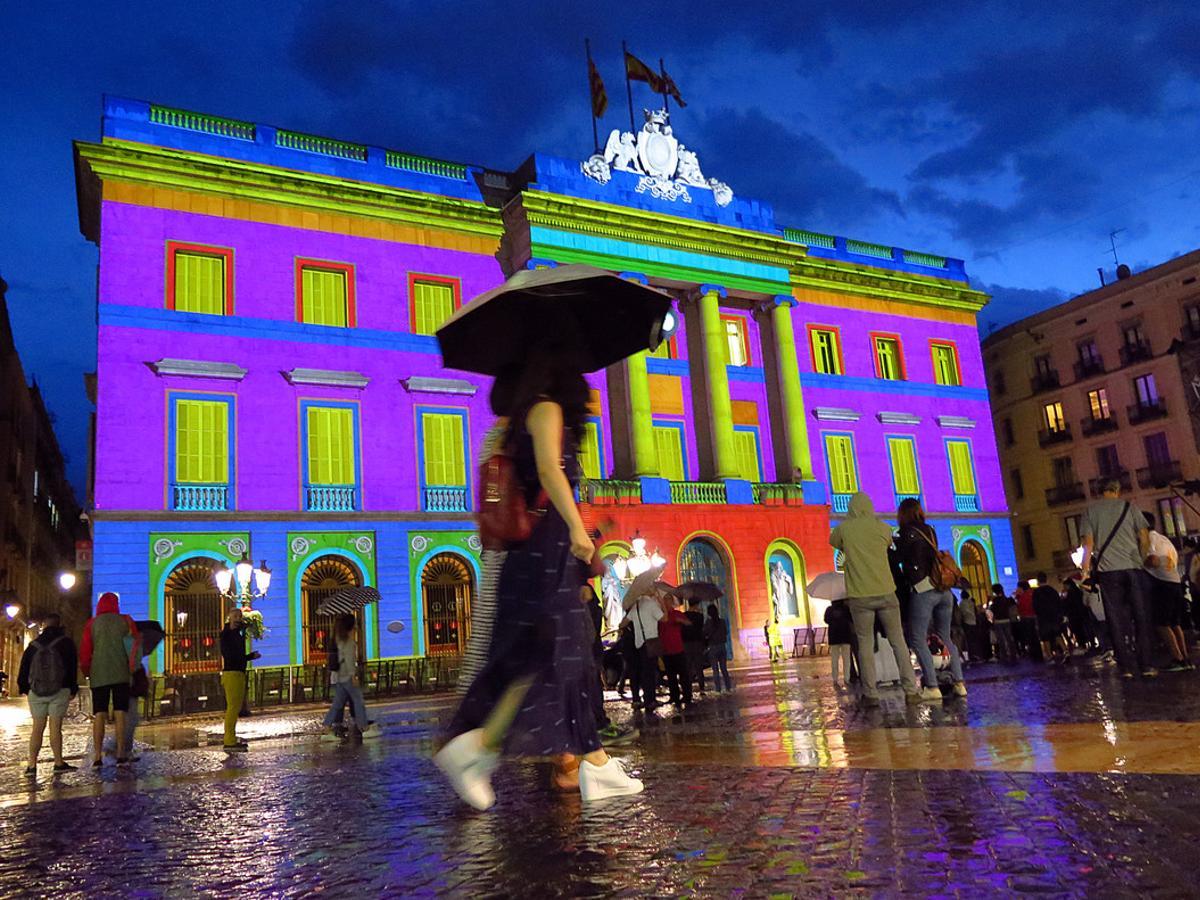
[587, 46]
[628, 86]
[662, 71]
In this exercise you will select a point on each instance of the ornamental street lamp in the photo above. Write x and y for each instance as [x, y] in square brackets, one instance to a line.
[66, 580]
[243, 583]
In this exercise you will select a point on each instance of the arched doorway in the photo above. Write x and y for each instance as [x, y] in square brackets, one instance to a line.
[702, 560]
[193, 616]
[448, 587]
[324, 577]
[974, 563]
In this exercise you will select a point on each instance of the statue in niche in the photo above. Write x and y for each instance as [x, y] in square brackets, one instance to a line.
[783, 592]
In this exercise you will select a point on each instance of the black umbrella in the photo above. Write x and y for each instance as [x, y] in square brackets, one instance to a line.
[152, 635]
[597, 316]
[350, 600]
[704, 591]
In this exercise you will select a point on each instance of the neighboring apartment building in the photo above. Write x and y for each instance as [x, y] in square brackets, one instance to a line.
[39, 518]
[1095, 389]
[268, 381]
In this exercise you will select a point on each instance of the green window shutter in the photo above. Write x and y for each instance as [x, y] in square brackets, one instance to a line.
[199, 283]
[668, 445]
[589, 452]
[445, 456]
[746, 446]
[433, 303]
[331, 445]
[904, 466]
[843, 473]
[201, 442]
[962, 469]
[323, 299]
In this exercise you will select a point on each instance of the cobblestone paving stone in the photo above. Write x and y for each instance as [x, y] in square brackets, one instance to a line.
[295, 817]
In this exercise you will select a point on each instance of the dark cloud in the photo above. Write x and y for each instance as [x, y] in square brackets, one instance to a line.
[1008, 304]
[807, 183]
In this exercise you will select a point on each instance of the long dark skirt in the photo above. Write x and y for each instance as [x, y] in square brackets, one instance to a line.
[542, 630]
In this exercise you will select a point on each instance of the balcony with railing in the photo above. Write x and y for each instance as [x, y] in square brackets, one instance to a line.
[1135, 352]
[445, 498]
[692, 492]
[199, 497]
[1044, 381]
[1087, 368]
[840, 503]
[1091, 425]
[608, 492]
[966, 503]
[1096, 485]
[902, 496]
[1064, 493]
[1049, 436]
[331, 497]
[1146, 411]
[1159, 475]
[780, 494]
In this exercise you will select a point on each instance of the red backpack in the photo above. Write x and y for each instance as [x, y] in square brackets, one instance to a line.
[504, 517]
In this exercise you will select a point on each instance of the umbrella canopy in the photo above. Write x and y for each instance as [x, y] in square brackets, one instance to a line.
[152, 635]
[350, 600]
[704, 591]
[643, 584]
[828, 586]
[599, 317]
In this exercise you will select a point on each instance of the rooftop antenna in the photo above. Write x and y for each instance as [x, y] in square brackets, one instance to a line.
[1112, 242]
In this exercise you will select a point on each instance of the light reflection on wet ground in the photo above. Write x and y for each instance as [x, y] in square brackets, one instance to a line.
[1068, 782]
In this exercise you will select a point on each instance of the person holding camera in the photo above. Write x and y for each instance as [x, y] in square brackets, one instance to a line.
[233, 675]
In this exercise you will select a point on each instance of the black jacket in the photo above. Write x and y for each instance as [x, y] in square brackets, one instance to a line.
[233, 649]
[917, 555]
[65, 648]
[840, 622]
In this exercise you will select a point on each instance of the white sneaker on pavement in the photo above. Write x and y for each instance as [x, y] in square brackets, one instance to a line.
[931, 695]
[468, 767]
[608, 780]
[960, 689]
[371, 732]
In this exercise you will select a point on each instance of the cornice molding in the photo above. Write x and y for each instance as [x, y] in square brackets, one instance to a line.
[197, 368]
[421, 384]
[146, 164]
[849, 278]
[326, 378]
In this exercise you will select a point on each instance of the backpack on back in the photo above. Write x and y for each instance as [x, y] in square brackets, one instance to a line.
[504, 517]
[944, 573]
[47, 674]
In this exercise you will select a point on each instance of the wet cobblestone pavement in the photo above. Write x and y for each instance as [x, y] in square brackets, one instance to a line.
[1066, 782]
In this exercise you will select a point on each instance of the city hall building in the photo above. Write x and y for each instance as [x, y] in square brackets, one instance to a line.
[269, 386]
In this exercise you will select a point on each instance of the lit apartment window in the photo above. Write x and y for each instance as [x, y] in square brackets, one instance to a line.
[433, 300]
[199, 279]
[331, 457]
[1098, 404]
[1056, 422]
[1145, 390]
[1089, 353]
[325, 293]
[826, 352]
[737, 350]
[889, 365]
[945, 364]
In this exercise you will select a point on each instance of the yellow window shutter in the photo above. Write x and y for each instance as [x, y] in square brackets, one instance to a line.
[324, 297]
[962, 469]
[445, 455]
[842, 472]
[904, 466]
[433, 303]
[746, 443]
[201, 441]
[199, 283]
[589, 452]
[670, 453]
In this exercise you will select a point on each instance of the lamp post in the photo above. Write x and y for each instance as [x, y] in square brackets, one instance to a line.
[243, 583]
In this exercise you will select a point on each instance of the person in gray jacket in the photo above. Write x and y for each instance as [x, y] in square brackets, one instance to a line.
[864, 539]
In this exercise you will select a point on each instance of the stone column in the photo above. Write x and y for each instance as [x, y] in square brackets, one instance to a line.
[792, 399]
[716, 380]
[641, 429]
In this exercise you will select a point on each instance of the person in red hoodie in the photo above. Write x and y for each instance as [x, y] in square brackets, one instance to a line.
[110, 653]
[670, 632]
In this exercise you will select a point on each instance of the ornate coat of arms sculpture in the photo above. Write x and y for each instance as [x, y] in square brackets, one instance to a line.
[667, 168]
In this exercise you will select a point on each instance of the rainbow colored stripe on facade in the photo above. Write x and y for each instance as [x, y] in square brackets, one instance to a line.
[271, 201]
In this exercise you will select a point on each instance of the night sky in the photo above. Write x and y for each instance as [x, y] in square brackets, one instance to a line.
[1013, 134]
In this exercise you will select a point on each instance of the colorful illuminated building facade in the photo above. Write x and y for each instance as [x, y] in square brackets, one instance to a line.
[268, 382]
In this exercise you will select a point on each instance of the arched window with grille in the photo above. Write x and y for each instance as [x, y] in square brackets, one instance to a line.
[194, 615]
[447, 586]
[323, 578]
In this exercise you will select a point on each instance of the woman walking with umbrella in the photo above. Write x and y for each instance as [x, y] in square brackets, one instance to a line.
[534, 693]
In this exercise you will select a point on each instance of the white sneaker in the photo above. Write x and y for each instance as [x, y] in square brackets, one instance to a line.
[931, 695]
[330, 736]
[371, 732]
[468, 767]
[608, 780]
[960, 689]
